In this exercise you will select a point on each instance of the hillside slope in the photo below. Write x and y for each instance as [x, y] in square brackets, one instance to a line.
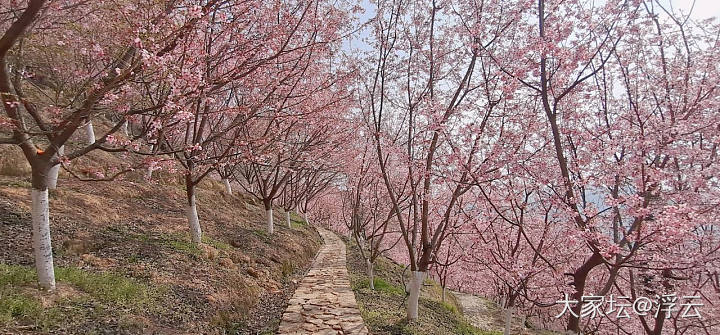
[125, 264]
[384, 308]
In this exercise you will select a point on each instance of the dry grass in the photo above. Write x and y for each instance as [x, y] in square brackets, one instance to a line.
[13, 162]
[238, 281]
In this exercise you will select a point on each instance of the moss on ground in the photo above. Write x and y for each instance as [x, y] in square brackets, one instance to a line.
[92, 295]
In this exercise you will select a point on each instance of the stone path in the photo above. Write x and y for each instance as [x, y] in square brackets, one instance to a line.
[323, 302]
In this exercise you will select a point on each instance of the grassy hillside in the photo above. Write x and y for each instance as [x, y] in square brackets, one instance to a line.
[384, 309]
[125, 264]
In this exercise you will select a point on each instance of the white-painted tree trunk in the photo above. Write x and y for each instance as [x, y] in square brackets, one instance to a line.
[55, 170]
[370, 273]
[148, 173]
[194, 221]
[125, 129]
[42, 245]
[508, 320]
[287, 215]
[414, 299]
[228, 189]
[90, 133]
[270, 226]
[306, 219]
[443, 294]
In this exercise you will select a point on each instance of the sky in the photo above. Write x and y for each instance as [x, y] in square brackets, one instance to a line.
[702, 9]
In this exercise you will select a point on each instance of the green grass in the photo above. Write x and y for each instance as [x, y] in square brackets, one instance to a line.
[296, 220]
[216, 243]
[16, 275]
[180, 242]
[381, 285]
[260, 233]
[106, 287]
[464, 328]
[183, 246]
[450, 307]
[25, 309]
[15, 183]
[14, 306]
[100, 291]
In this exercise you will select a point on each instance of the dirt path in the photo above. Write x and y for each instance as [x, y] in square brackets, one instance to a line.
[479, 312]
[324, 302]
[487, 316]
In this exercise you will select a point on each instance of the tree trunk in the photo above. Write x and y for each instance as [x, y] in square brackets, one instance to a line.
[287, 215]
[370, 274]
[443, 293]
[194, 221]
[306, 219]
[90, 133]
[42, 245]
[270, 225]
[579, 278]
[228, 189]
[508, 320]
[148, 173]
[55, 170]
[125, 129]
[269, 215]
[413, 300]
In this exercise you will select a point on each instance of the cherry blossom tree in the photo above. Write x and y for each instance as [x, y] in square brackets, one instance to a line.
[366, 215]
[611, 93]
[430, 107]
[61, 64]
